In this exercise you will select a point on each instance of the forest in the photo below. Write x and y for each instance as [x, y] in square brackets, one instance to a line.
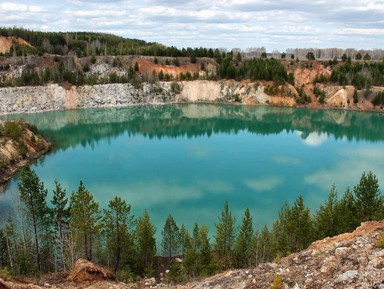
[42, 235]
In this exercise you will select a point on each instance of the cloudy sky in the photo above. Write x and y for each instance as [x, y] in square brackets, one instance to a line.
[274, 24]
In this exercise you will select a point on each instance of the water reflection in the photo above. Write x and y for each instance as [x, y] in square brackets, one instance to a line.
[87, 127]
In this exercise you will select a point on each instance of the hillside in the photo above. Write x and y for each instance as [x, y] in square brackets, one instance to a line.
[350, 260]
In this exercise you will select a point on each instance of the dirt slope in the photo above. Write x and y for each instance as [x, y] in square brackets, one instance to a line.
[7, 42]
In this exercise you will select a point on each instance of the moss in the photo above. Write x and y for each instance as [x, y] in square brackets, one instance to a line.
[380, 243]
[277, 282]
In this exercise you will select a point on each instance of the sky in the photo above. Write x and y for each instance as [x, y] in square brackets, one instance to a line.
[274, 24]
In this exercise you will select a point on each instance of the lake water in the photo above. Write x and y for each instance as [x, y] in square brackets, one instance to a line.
[188, 160]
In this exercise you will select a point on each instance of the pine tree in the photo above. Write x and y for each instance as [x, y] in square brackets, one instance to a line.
[243, 241]
[299, 226]
[225, 236]
[33, 194]
[60, 218]
[205, 256]
[171, 238]
[261, 246]
[281, 231]
[145, 242]
[347, 219]
[326, 218]
[369, 203]
[84, 222]
[184, 239]
[117, 226]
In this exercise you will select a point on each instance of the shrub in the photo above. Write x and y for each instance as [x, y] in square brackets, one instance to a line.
[380, 243]
[13, 129]
[277, 282]
[175, 87]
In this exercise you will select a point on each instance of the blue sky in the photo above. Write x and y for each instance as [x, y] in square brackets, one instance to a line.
[276, 24]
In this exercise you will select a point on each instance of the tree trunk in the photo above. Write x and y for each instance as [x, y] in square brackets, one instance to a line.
[36, 244]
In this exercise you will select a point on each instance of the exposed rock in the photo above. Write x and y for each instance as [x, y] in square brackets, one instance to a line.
[85, 270]
[6, 43]
[3, 285]
[18, 152]
[347, 277]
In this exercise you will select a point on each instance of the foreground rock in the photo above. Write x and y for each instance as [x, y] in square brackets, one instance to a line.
[20, 144]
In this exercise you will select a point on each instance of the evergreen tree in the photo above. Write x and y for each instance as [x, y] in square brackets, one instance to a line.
[33, 194]
[347, 217]
[184, 239]
[243, 241]
[85, 222]
[191, 258]
[145, 243]
[117, 226]
[225, 236]
[299, 226]
[261, 246]
[59, 214]
[326, 218]
[205, 256]
[281, 231]
[369, 203]
[171, 238]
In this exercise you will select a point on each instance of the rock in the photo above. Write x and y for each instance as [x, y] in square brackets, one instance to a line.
[84, 270]
[3, 285]
[347, 277]
[342, 251]
[149, 282]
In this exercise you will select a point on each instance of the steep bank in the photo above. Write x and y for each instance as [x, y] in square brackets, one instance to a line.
[31, 99]
[351, 260]
[20, 144]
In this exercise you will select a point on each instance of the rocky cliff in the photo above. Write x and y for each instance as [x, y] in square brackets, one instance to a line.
[31, 99]
[351, 260]
[55, 97]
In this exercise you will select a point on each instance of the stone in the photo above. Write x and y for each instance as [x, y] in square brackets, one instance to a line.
[347, 277]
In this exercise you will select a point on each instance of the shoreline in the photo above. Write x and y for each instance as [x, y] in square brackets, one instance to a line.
[10, 171]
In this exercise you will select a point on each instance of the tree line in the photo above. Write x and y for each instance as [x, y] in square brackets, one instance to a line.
[39, 237]
[89, 43]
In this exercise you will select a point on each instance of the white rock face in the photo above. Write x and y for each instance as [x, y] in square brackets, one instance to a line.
[30, 99]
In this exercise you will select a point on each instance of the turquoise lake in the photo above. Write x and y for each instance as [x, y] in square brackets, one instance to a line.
[187, 160]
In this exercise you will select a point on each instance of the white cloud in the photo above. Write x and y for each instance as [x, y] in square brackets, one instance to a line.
[284, 160]
[313, 139]
[348, 171]
[260, 185]
[159, 191]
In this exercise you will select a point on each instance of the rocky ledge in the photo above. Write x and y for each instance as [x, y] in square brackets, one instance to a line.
[20, 144]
